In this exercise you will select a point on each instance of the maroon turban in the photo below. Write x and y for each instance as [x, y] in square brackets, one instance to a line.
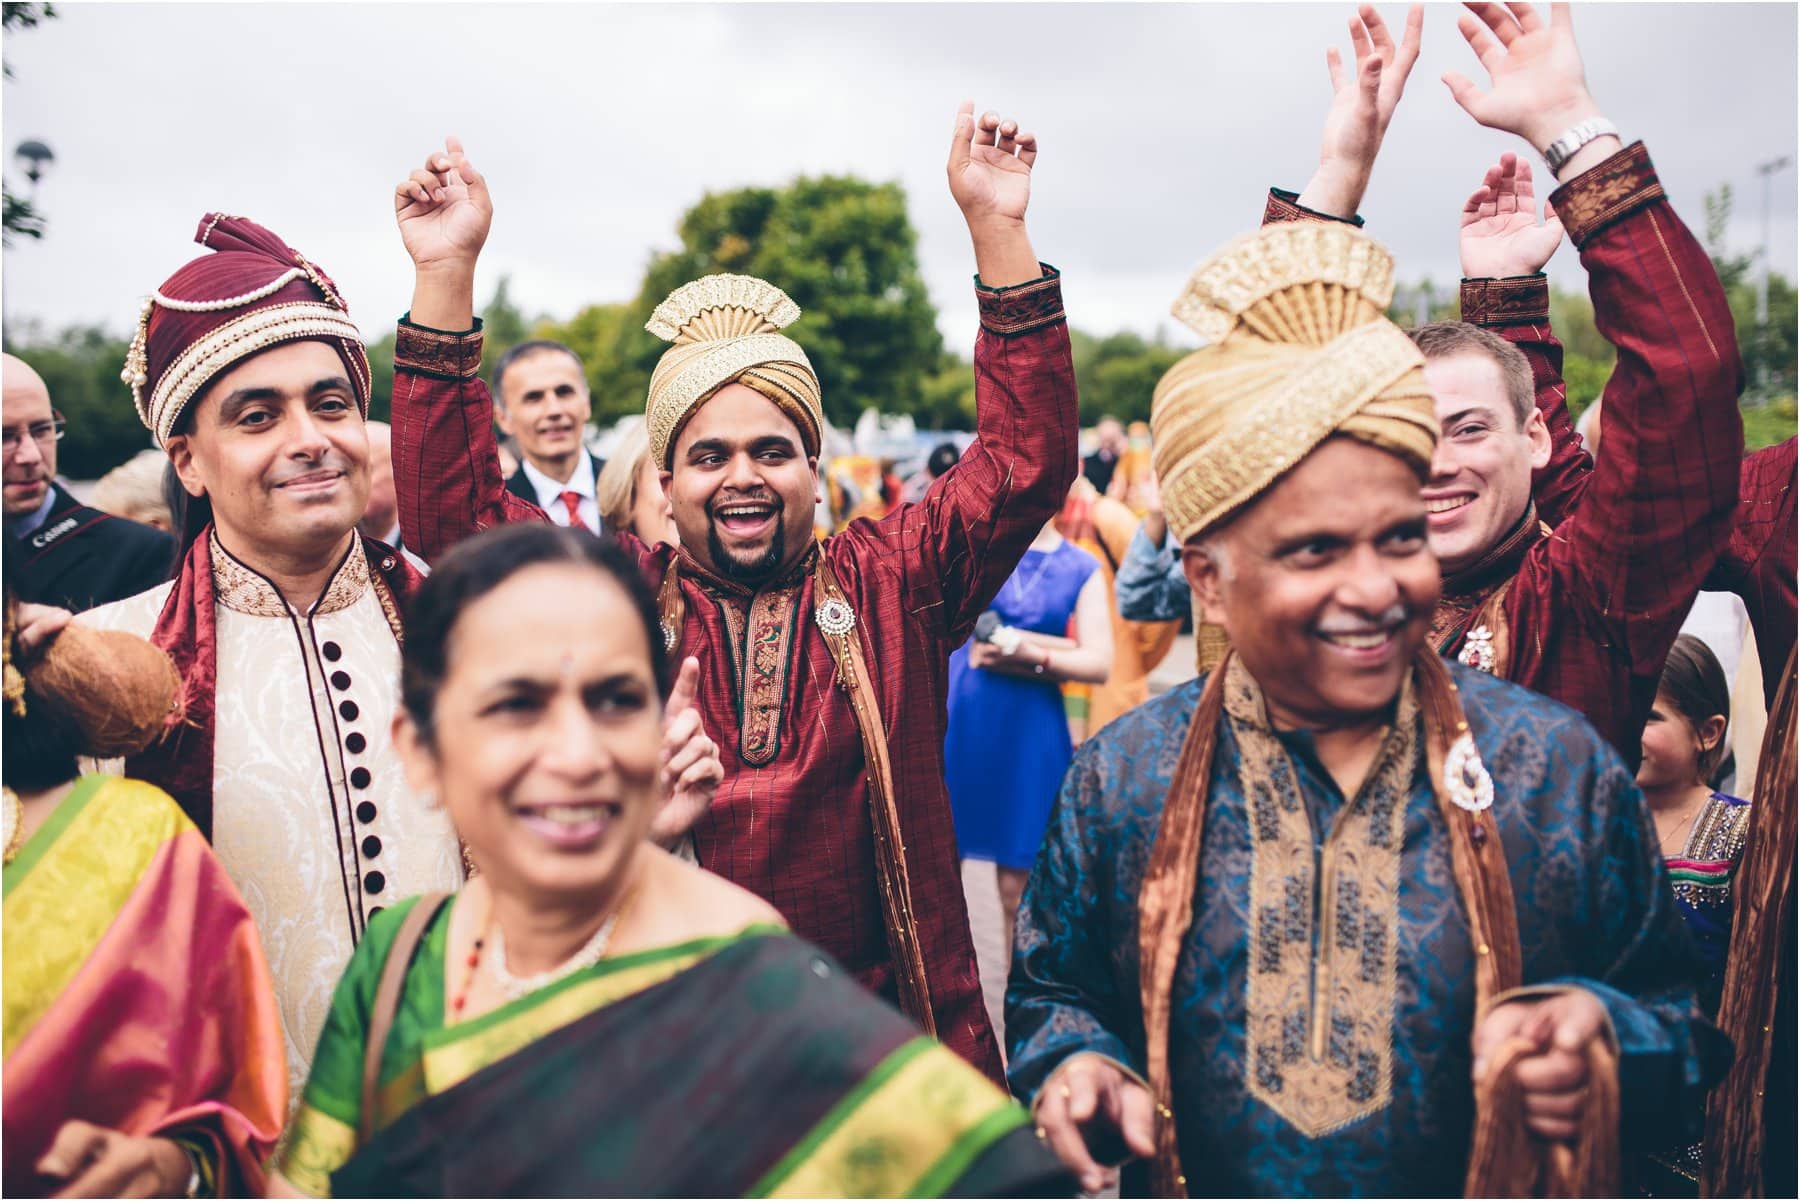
[253, 292]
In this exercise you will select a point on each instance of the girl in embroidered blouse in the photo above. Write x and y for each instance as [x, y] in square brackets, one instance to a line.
[1701, 831]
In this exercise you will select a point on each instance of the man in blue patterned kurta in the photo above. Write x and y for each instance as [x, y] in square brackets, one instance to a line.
[1390, 873]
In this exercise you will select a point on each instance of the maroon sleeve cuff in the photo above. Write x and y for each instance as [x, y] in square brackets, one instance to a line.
[1513, 300]
[433, 352]
[1022, 308]
[1283, 205]
[1606, 192]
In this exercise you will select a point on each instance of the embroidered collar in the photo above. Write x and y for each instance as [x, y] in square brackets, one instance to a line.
[718, 585]
[242, 589]
[1500, 563]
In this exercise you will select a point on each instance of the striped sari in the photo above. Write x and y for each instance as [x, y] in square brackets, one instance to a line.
[136, 995]
[746, 1065]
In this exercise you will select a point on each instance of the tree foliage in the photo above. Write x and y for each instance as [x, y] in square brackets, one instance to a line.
[846, 252]
[842, 248]
[18, 218]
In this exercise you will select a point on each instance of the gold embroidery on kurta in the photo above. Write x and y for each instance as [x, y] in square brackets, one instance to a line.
[762, 645]
[1321, 986]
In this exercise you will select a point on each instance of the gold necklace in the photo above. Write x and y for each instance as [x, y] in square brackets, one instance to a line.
[1684, 829]
[13, 817]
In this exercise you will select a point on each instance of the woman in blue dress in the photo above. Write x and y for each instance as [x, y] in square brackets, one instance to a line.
[1702, 835]
[1008, 741]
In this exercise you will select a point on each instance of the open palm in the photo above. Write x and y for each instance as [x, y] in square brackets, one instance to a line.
[1539, 87]
[1501, 235]
[443, 209]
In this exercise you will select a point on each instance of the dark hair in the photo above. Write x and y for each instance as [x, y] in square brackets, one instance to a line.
[942, 458]
[480, 565]
[1441, 339]
[1693, 680]
[523, 350]
[188, 515]
[41, 746]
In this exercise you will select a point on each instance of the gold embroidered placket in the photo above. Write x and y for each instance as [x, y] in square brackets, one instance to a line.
[1320, 995]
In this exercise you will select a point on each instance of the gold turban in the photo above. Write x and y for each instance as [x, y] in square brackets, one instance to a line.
[724, 330]
[1301, 350]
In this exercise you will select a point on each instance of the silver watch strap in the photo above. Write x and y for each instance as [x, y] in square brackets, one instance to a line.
[1574, 138]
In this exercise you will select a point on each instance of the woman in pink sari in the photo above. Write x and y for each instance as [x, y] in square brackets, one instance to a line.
[142, 1047]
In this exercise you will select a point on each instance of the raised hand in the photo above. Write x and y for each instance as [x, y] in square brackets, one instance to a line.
[444, 211]
[1538, 87]
[990, 179]
[691, 768]
[1092, 1115]
[1363, 101]
[37, 628]
[990, 166]
[1501, 234]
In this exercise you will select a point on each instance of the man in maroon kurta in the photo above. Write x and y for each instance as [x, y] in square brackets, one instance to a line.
[1585, 614]
[792, 820]
[1583, 593]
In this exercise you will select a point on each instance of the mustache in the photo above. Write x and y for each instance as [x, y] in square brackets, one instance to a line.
[1394, 615]
[719, 502]
[329, 461]
[28, 475]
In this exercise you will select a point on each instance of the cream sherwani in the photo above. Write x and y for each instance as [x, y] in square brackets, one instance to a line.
[311, 815]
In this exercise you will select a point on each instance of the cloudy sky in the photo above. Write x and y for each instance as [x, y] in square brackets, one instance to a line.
[1161, 125]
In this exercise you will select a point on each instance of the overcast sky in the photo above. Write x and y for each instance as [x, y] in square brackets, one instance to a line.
[597, 125]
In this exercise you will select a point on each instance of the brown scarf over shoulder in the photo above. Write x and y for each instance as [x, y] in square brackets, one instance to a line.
[1762, 926]
[1505, 1160]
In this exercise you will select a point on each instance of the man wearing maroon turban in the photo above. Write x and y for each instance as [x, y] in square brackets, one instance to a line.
[284, 621]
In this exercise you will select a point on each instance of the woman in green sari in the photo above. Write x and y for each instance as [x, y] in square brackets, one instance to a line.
[591, 1015]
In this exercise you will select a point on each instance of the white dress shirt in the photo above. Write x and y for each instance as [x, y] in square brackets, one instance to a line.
[549, 492]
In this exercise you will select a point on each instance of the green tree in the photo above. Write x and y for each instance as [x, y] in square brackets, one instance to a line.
[1116, 374]
[843, 249]
[18, 218]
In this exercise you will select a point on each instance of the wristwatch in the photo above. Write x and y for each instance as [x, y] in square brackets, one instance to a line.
[1574, 138]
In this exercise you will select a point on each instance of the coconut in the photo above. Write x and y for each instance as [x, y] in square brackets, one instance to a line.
[118, 690]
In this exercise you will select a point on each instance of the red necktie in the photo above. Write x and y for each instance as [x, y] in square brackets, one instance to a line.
[572, 502]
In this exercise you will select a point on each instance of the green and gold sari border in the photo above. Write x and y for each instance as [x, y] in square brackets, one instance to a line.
[315, 1145]
[47, 834]
[838, 1114]
[967, 1149]
[454, 1053]
[910, 1128]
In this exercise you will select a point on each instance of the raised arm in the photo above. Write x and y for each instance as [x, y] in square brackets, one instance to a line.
[1660, 502]
[446, 462]
[1363, 100]
[951, 552]
[1504, 249]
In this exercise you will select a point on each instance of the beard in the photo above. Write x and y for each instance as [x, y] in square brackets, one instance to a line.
[758, 567]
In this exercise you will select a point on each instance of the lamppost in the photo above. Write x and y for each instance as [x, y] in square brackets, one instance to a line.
[1767, 171]
[34, 159]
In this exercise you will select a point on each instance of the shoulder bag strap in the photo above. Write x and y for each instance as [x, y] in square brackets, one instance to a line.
[387, 1001]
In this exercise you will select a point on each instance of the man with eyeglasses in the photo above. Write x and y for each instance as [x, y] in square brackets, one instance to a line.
[60, 552]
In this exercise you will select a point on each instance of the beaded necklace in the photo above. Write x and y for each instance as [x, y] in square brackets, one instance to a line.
[513, 987]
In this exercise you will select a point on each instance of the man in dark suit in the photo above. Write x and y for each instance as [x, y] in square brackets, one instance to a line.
[1098, 467]
[62, 552]
[544, 406]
